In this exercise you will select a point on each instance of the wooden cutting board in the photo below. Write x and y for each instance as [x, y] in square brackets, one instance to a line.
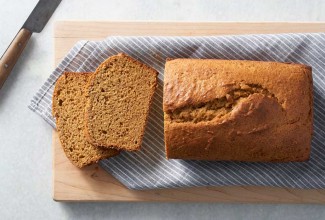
[94, 184]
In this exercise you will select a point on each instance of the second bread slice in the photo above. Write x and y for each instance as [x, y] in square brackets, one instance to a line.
[118, 98]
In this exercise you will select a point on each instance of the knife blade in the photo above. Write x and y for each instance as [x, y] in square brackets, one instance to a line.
[34, 24]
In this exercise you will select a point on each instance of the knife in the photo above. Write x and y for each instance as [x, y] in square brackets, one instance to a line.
[34, 23]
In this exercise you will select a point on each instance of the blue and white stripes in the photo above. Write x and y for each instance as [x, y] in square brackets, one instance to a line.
[148, 168]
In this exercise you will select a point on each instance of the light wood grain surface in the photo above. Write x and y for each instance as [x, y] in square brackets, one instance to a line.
[94, 184]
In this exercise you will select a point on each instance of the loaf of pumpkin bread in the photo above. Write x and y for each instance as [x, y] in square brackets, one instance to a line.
[234, 110]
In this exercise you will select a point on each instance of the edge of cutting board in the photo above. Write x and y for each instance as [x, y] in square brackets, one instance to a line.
[94, 184]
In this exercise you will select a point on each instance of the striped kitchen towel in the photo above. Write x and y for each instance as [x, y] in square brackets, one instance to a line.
[148, 168]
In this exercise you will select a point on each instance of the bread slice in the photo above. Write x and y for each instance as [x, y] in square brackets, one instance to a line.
[119, 94]
[68, 110]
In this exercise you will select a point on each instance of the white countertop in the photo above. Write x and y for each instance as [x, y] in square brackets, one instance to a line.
[25, 139]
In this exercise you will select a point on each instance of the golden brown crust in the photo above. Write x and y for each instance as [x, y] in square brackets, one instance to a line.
[89, 114]
[237, 110]
[89, 138]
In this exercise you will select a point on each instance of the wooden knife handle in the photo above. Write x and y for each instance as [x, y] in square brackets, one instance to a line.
[10, 57]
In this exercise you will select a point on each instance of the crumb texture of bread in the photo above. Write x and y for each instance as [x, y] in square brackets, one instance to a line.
[118, 99]
[232, 110]
[68, 110]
